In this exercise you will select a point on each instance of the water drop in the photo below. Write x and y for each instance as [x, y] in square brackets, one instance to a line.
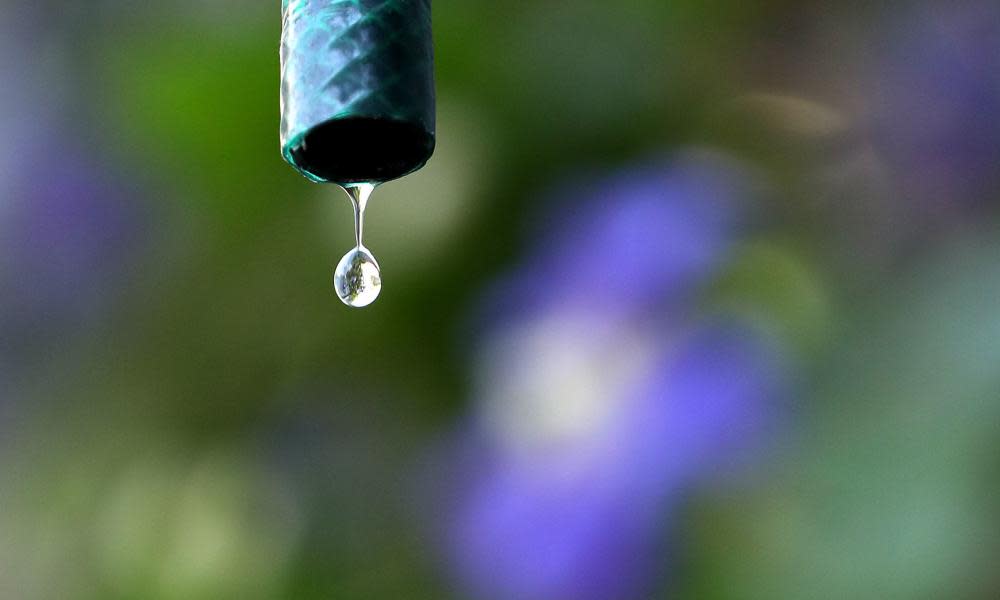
[358, 278]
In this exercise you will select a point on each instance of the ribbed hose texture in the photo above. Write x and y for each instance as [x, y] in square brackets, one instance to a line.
[355, 59]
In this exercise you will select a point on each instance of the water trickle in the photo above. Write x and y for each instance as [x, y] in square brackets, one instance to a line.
[358, 278]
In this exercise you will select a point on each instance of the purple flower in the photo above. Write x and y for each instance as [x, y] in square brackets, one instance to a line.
[597, 251]
[67, 234]
[68, 228]
[596, 410]
[936, 112]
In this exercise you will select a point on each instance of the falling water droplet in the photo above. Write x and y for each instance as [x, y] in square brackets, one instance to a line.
[358, 278]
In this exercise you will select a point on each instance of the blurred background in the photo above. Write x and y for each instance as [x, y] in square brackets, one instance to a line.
[697, 299]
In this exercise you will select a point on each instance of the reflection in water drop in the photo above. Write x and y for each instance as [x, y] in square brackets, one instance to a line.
[358, 279]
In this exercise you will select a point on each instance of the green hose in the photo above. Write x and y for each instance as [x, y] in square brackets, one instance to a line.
[357, 88]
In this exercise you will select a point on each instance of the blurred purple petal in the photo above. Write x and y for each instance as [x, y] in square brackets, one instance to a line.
[644, 237]
[940, 97]
[68, 232]
[549, 527]
[594, 416]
